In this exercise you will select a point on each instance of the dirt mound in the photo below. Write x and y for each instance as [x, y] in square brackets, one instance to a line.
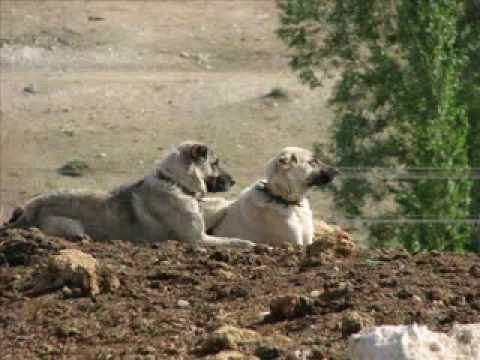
[172, 301]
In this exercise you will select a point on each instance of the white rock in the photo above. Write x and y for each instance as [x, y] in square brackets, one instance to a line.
[413, 342]
[183, 304]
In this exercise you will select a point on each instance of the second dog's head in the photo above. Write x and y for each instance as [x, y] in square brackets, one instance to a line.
[293, 171]
[197, 168]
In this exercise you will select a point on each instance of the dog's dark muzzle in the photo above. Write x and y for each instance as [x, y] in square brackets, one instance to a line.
[220, 183]
[324, 177]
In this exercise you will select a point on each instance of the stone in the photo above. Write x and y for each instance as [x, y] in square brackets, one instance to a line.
[30, 89]
[353, 322]
[183, 303]
[414, 342]
[330, 239]
[72, 268]
[268, 352]
[226, 337]
[289, 307]
[231, 355]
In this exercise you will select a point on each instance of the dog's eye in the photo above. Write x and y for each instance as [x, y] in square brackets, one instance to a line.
[216, 162]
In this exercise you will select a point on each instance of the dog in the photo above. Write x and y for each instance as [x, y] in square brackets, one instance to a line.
[163, 205]
[275, 210]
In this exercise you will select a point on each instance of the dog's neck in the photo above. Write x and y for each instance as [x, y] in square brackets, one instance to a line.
[263, 187]
[164, 177]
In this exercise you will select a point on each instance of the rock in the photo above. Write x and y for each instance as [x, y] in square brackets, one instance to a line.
[330, 240]
[289, 307]
[228, 292]
[314, 353]
[70, 133]
[225, 274]
[30, 89]
[109, 281]
[337, 291]
[20, 247]
[353, 322]
[268, 352]
[413, 342]
[95, 18]
[226, 337]
[74, 168]
[183, 303]
[316, 293]
[475, 270]
[67, 292]
[66, 330]
[146, 350]
[231, 355]
[221, 256]
[69, 267]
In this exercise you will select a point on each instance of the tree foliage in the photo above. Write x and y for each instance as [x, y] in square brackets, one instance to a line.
[405, 99]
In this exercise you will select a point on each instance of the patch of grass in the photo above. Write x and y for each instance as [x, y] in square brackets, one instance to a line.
[74, 168]
[278, 93]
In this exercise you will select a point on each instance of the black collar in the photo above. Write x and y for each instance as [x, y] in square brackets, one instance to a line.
[160, 175]
[262, 187]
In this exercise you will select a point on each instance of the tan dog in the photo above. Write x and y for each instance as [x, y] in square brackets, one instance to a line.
[163, 205]
[276, 210]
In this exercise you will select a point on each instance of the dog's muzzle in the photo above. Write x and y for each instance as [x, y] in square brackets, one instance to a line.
[324, 177]
[220, 183]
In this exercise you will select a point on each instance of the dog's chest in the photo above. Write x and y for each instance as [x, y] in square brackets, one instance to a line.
[292, 224]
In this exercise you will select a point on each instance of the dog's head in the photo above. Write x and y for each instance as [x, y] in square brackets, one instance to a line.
[197, 168]
[293, 171]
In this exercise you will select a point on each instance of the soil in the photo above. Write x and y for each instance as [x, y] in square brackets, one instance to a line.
[171, 296]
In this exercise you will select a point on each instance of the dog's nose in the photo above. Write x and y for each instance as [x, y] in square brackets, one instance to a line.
[232, 182]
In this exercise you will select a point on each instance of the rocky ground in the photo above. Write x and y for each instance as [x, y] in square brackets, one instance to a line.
[168, 301]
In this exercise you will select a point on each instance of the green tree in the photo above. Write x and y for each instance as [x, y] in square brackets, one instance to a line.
[405, 100]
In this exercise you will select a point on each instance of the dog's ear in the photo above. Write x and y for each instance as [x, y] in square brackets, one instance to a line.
[287, 160]
[283, 159]
[293, 159]
[199, 152]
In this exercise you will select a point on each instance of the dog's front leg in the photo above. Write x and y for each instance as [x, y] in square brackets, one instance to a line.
[213, 211]
[189, 226]
[226, 242]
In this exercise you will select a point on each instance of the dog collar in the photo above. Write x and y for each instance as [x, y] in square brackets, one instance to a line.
[161, 176]
[262, 187]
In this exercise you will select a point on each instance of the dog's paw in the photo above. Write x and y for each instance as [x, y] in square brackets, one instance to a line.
[243, 244]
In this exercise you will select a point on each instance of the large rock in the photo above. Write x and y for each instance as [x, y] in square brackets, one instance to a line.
[70, 267]
[330, 241]
[415, 342]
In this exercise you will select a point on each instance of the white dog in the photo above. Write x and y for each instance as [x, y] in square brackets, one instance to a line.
[276, 210]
